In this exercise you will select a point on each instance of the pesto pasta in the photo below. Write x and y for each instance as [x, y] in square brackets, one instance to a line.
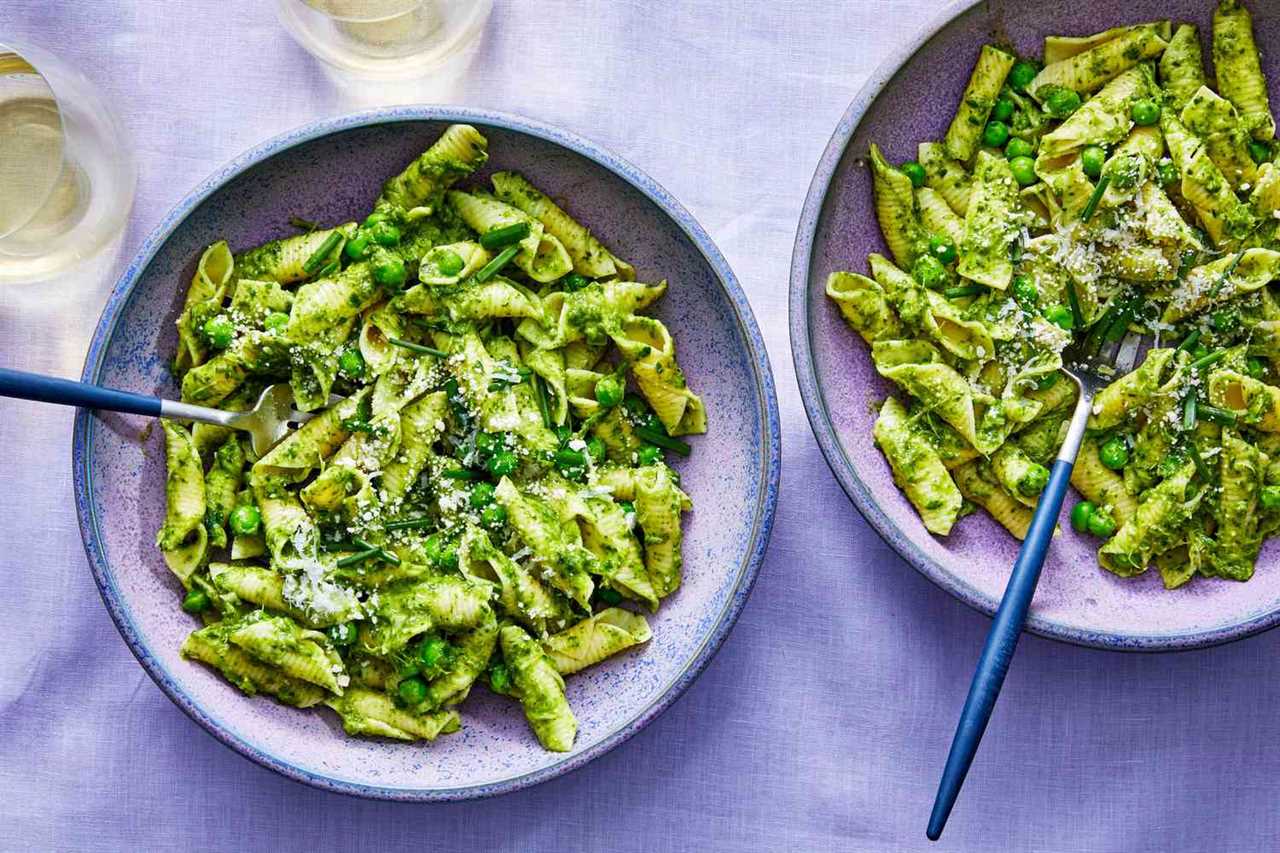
[1112, 188]
[480, 493]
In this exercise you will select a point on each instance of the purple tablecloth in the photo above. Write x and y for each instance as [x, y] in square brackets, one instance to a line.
[823, 723]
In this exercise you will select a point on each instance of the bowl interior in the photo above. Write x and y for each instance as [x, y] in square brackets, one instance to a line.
[1076, 600]
[332, 175]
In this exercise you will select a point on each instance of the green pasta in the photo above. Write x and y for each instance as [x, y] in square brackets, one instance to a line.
[1118, 191]
[486, 492]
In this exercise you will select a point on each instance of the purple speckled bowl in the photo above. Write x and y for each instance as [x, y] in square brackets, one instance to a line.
[910, 99]
[331, 171]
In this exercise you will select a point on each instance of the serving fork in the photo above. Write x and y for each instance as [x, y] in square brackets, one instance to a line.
[1091, 363]
[270, 419]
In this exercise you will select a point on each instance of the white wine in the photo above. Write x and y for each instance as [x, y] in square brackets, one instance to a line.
[31, 148]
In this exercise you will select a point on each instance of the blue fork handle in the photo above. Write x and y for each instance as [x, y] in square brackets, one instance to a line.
[49, 389]
[1002, 640]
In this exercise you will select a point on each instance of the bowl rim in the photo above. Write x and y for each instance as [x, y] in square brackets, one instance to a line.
[802, 354]
[769, 473]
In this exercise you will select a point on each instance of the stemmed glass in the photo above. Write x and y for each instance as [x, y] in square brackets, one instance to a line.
[66, 176]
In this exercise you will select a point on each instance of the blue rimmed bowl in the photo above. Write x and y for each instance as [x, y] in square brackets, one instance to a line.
[331, 171]
[910, 99]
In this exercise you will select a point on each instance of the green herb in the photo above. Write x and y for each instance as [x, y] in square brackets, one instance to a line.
[504, 236]
[408, 523]
[492, 268]
[1095, 198]
[412, 347]
[303, 224]
[540, 397]
[1202, 470]
[661, 439]
[1208, 360]
[461, 474]
[352, 559]
[1226, 274]
[1189, 342]
[1189, 413]
[1225, 417]
[966, 290]
[1077, 316]
[318, 257]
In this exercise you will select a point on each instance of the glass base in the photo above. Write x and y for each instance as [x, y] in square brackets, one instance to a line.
[411, 43]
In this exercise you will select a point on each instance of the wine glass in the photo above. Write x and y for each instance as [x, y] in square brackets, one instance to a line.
[66, 176]
[386, 39]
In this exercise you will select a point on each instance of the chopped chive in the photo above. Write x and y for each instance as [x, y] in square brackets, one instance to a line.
[352, 559]
[328, 269]
[1077, 315]
[461, 474]
[504, 236]
[966, 290]
[388, 557]
[1226, 274]
[540, 396]
[317, 258]
[365, 544]
[491, 269]
[1217, 415]
[1189, 342]
[1210, 359]
[412, 347]
[1095, 198]
[1189, 413]
[408, 523]
[1201, 468]
[336, 546]
[304, 224]
[662, 440]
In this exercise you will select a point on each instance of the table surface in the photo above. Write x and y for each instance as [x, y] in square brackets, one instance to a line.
[823, 722]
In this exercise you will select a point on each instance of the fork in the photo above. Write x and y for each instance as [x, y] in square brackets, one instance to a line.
[270, 419]
[1095, 361]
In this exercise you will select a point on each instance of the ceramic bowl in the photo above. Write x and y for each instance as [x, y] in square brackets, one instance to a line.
[331, 171]
[910, 99]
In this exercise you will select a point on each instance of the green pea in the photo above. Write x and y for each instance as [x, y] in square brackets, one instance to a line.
[627, 507]
[487, 443]
[275, 321]
[440, 552]
[195, 601]
[930, 272]
[610, 390]
[384, 233]
[493, 516]
[245, 520]
[648, 454]
[1270, 498]
[503, 463]
[432, 651]
[595, 449]
[995, 134]
[1059, 101]
[1092, 159]
[449, 262]
[1018, 147]
[1255, 367]
[218, 331]
[1024, 170]
[1225, 320]
[572, 463]
[499, 678]
[1060, 315]
[1003, 109]
[609, 596]
[351, 362]
[481, 495]
[1167, 172]
[1114, 453]
[388, 270]
[1034, 481]
[914, 171]
[343, 634]
[1080, 514]
[1024, 292]
[412, 691]
[1259, 152]
[1102, 525]
[1144, 112]
[374, 218]
[942, 248]
[358, 247]
[1022, 73]
[573, 281]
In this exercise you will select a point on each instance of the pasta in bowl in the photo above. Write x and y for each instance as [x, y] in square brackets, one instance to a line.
[1093, 186]
[477, 504]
